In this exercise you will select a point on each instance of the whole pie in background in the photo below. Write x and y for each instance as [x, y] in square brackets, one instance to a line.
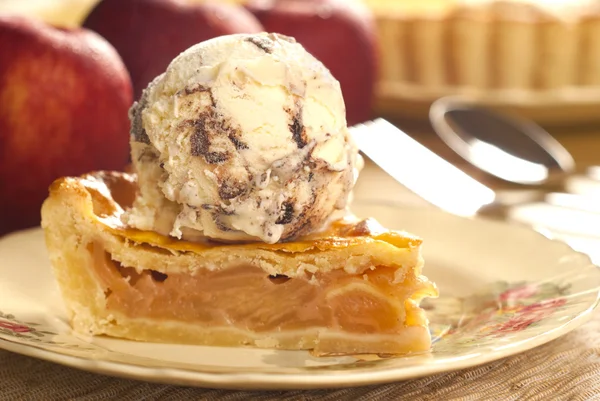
[533, 55]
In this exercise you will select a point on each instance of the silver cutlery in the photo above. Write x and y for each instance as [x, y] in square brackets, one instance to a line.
[571, 217]
[508, 147]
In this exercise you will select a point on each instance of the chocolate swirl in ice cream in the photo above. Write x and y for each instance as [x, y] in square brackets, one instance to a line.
[248, 141]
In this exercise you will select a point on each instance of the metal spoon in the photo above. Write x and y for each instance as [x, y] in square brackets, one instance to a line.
[513, 149]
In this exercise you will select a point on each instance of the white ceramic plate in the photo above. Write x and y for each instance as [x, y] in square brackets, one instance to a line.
[504, 289]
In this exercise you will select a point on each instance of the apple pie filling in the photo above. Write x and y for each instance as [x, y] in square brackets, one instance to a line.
[244, 296]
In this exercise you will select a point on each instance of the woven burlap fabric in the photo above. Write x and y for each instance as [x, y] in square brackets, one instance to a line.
[565, 369]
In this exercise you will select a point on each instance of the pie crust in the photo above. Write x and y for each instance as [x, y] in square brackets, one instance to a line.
[352, 289]
[515, 50]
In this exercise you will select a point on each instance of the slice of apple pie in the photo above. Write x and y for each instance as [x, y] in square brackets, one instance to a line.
[352, 289]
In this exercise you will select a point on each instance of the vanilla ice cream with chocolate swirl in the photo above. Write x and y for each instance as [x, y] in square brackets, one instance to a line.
[243, 138]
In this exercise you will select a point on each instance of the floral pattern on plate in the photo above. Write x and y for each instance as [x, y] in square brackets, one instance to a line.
[500, 313]
[35, 333]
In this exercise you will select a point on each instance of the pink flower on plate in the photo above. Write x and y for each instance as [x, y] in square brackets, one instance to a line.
[529, 315]
[14, 327]
[524, 292]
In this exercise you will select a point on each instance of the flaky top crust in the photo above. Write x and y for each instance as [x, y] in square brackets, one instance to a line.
[95, 202]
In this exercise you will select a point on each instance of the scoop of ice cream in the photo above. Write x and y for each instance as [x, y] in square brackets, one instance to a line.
[243, 138]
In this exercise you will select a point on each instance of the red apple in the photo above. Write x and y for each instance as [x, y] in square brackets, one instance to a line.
[148, 34]
[340, 33]
[64, 98]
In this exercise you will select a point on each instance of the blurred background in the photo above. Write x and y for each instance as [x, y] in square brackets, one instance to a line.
[538, 59]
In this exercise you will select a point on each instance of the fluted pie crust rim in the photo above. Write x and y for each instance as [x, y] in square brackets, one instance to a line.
[514, 56]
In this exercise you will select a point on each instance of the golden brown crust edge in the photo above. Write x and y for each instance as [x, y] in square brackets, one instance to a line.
[71, 204]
